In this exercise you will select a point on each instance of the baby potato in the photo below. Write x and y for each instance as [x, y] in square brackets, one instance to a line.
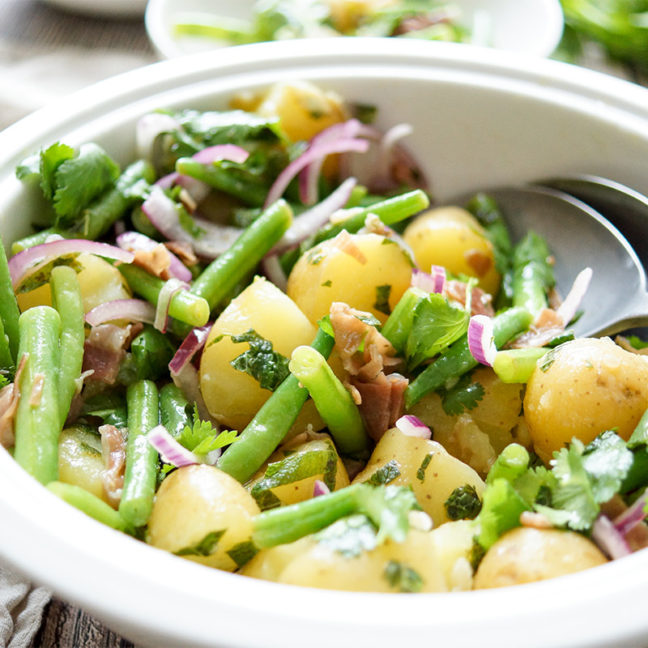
[583, 388]
[425, 466]
[234, 397]
[411, 565]
[453, 542]
[525, 555]
[367, 271]
[99, 281]
[453, 238]
[80, 462]
[201, 513]
[347, 15]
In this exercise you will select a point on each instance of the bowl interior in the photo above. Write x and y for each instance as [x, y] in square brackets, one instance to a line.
[480, 120]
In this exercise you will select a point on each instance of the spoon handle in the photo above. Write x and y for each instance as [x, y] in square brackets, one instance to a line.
[636, 315]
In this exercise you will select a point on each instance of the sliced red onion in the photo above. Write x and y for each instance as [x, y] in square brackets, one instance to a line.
[170, 288]
[133, 241]
[388, 143]
[197, 189]
[188, 383]
[480, 339]
[193, 343]
[411, 425]
[167, 181]
[570, 305]
[313, 153]
[271, 267]
[219, 152]
[21, 263]
[170, 450]
[632, 516]
[608, 539]
[432, 282]
[215, 239]
[134, 310]
[320, 488]
[148, 128]
[310, 221]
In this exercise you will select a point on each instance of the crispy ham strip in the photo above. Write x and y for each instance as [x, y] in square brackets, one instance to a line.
[156, 261]
[480, 303]
[9, 397]
[104, 350]
[113, 452]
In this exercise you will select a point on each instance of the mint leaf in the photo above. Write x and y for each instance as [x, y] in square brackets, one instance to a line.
[204, 547]
[463, 503]
[268, 367]
[385, 474]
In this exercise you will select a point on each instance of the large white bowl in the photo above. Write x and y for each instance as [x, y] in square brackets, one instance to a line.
[520, 26]
[480, 118]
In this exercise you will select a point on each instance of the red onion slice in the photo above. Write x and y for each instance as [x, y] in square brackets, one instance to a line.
[570, 305]
[432, 282]
[219, 152]
[21, 263]
[134, 310]
[271, 267]
[411, 425]
[608, 539]
[133, 241]
[170, 288]
[312, 154]
[320, 488]
[193, 343]
[480, 339]
[215, 239]
[632, 516]
[169, 449]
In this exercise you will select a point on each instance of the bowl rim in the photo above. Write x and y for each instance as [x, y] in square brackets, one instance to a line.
[91, 570]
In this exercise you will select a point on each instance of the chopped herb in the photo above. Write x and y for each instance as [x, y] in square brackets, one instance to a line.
[548, 359]
[463, 503]
[385, 474]
[403, 578]
[327, 284]
[420, 473]
[204, 547]
[268, 367]
[243, 552]
[349, 536]
[463, 396]
[382, 299]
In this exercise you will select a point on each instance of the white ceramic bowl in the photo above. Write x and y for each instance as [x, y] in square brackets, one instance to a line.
[102, 8]
[480, 118]
[521, 26]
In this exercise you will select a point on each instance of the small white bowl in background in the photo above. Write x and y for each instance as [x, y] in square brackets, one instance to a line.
[102, 8]
[521, 26]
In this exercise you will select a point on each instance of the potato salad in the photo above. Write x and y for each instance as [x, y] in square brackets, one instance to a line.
[263, 348]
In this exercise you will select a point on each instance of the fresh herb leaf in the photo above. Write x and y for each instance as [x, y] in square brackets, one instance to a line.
[420, 473]
[382, 299]
[204, 547]
[268, 367]
[636, 342]
[243, 552]
[385, 474]
[388, 508]
[50, 160]
[202, 438]
[402, 578]
[187, 223]
[463, 503]
[461, 397]
[350, 536]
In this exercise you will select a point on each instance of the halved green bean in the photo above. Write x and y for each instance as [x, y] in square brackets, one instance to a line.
[390, 211]
[141, 458]
[90, 505]
[222, 274]
[271, 424]
[9, 311]
[458, 360]
[173, 409]
[66, 298]
[517, 365]
[38, 419]
[185, 306]
[331, 398]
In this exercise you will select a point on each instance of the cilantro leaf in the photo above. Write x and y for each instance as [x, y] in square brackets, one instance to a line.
[403, 578]
[461, 397]
[50, 160]
[388, 508]
[349, 536]
[269, 367]
[202, 438]
[436, 325]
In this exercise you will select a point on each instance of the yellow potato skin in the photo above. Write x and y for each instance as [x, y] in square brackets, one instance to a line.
[451, 237]
[80, 462]
[99, 282]
[526, 555]
[327, 274]
[592, 385]
[233, 397]
[194, 501]
[431, 484]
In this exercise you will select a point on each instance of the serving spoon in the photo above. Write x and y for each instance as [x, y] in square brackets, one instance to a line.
[579, 236]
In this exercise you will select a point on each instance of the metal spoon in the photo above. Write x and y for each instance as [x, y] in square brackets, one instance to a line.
[579, 237]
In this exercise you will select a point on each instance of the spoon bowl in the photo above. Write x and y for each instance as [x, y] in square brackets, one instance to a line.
[579, 236]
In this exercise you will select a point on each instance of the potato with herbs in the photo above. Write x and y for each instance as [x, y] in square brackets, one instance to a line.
[201, 513]
[426, 466]
[233, 397]
[367, 271]
[582, 388]
[525, 555]
[451, 237]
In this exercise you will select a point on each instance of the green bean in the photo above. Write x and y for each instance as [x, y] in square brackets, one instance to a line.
[517, 365]
[331, 398]
[399, 324]
[235, 31]
[390, 211]
[458, 360]
[173, 409]
[510, 464]
[220, 179]
[38, 420]
[39, 238]
[533, 275]
[9, 312]
[66, 298]
[141, 458]
[222, 274]
[271, 424]
[184, 306]
[90, 505]
[6, 359]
